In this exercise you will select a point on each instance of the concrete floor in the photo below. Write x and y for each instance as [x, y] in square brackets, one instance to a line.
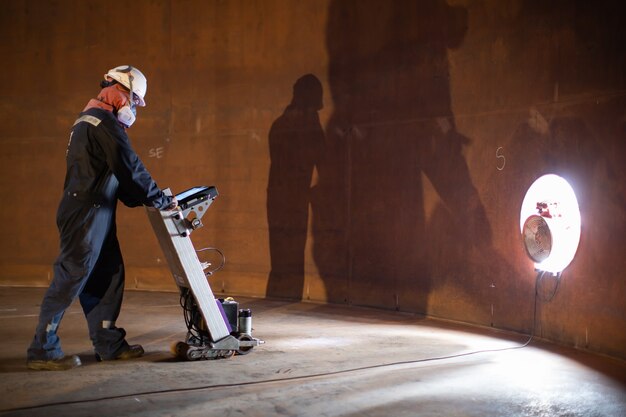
[318, 360]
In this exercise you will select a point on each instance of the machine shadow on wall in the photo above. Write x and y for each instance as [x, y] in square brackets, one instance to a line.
[296, 141]
[393, 124]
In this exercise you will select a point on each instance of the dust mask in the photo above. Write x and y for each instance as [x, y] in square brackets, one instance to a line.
[127, 115]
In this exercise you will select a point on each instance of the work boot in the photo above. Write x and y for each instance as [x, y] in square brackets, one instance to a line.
[133, 352]
[61, 364]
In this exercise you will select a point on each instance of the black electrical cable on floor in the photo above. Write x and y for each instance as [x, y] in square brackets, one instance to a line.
[540, 276]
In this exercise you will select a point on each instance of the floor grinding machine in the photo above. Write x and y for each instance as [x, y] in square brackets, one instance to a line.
[216, 328]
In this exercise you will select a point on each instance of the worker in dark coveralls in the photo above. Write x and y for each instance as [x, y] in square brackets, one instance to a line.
[102, 167]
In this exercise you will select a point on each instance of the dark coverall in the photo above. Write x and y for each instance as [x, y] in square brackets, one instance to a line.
[102, 167]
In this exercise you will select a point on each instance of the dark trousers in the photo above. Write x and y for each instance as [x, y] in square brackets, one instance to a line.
[90, 267]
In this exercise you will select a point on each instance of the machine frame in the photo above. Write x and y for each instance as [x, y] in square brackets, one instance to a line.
[220, 338]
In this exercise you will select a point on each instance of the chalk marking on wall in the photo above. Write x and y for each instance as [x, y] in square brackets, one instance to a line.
[156, 152]
[500, 156]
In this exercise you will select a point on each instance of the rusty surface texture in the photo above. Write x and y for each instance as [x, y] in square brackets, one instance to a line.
[373, 153]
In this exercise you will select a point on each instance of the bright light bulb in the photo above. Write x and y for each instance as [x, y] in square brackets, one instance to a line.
[554, 199]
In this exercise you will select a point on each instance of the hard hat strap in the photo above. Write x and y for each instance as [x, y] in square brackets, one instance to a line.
[128, 71]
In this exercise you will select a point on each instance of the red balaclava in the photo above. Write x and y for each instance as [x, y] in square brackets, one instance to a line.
[111, 98]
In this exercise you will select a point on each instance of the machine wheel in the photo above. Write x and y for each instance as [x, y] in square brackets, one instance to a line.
[180, 349]
[194, 354]
[186, 352]
[229, 354]
[244, 350]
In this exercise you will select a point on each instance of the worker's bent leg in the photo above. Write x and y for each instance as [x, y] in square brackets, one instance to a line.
[101, 300]
[83, 230]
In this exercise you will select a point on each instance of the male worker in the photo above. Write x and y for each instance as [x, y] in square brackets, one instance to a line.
[102, 167]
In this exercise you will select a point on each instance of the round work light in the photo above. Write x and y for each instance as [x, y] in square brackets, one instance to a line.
[550, 223]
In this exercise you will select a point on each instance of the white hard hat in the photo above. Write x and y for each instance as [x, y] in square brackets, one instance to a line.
[131, 78]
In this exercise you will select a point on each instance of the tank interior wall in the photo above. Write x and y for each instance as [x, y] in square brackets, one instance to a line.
[367, 152]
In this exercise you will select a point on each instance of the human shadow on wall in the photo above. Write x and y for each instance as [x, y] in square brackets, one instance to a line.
[296, 139]
[392, 123]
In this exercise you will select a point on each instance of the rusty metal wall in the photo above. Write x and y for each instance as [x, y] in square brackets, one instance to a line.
[367, 152]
